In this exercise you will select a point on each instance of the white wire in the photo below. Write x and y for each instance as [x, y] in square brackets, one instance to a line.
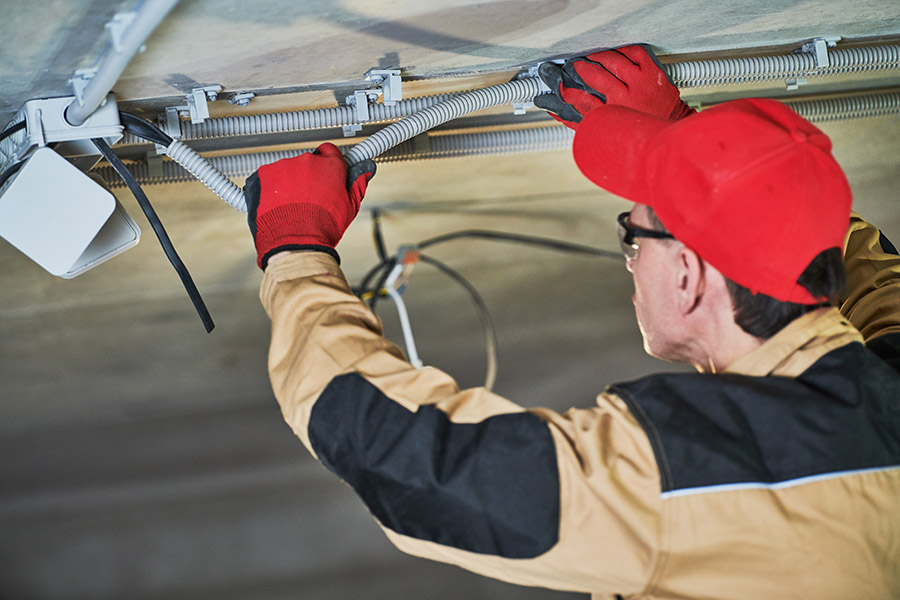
[404, 316]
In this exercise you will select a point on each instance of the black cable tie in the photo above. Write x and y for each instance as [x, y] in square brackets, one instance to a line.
[158, 228]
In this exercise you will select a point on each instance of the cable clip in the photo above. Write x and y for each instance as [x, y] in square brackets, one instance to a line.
[390, 82]
[196, 102]
[80, 80]
[820, 46]
[117, 27]
[391, 91]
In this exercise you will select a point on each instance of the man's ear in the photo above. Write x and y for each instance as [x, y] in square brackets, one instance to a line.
[691, 282]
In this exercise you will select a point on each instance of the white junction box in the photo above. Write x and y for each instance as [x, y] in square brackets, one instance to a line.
[62, 219]
[46, 124]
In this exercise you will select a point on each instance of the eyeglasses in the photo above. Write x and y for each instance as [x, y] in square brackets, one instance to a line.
[629, 233]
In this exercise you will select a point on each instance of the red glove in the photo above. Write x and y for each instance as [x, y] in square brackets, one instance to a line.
[630, 76]
[304, 203]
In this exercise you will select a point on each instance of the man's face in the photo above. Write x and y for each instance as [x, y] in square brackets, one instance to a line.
[654, 287]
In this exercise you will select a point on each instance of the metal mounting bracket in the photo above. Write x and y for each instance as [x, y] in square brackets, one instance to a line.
[242, 99]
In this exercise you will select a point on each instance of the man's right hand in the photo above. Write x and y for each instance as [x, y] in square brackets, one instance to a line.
[629, 76]
[305, 202]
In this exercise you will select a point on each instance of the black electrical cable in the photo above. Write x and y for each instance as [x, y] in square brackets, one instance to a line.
[386, 264]
[376, 235]
[523, 239]
[144, 129]
[388, 267]
[363, 287]
[490, 332]
[10, 172]
[12, 129]
[158, 228]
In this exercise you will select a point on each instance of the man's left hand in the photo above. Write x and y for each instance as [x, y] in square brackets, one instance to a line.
[630, 76]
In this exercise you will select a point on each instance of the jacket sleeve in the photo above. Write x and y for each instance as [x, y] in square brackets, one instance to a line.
[872, 303]
[534, 497]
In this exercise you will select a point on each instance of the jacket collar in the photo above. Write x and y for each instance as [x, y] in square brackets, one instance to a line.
[796, 347]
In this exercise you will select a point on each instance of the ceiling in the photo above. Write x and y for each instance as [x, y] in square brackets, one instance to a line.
[141, 457]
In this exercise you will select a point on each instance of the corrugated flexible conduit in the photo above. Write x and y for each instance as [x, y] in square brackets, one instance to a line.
[382, 140]
[519, 90]
[296, 120]
[689, 74]
[848, 107]
[537, 139]
[444, 146]
[729, 71]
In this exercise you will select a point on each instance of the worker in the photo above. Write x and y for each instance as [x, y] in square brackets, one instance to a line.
[772, 472]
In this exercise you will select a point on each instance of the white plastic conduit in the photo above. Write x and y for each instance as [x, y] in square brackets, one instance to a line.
[149, 15]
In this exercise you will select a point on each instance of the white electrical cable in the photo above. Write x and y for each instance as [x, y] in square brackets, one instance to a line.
[149, 16]
[411, 352]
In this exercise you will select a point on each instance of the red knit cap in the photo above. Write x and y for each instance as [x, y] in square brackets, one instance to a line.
[750, 185]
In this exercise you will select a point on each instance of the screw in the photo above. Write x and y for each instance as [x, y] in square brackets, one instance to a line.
[242, 99]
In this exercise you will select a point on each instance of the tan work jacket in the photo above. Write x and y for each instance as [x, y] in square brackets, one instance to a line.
[622, 498]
